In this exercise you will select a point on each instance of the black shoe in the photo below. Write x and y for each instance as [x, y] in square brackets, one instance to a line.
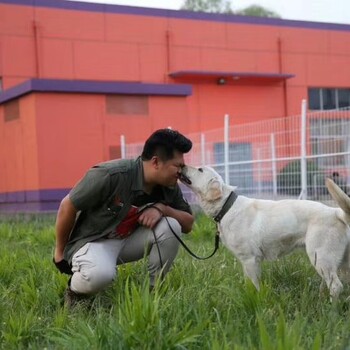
[72, 299]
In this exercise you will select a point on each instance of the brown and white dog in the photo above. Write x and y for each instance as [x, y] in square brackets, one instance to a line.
[255, 229]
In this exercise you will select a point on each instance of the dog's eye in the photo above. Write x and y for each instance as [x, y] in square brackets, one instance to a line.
[200, 170]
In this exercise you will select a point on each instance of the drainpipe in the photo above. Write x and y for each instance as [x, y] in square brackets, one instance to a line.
[36, 49]
[280, 70]
[168, 49]
[285, 106]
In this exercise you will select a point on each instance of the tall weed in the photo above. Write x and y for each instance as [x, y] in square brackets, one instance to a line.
[200, 305]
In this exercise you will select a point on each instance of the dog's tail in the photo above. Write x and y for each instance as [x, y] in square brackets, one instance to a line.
[340, 197]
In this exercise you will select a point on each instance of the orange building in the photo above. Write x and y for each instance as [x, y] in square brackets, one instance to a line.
[75, 76]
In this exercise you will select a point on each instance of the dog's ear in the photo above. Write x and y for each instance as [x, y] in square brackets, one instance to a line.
[214, 191]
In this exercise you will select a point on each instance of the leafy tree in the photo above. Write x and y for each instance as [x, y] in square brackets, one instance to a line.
[215, 6]
[257, 11]
[224, 6]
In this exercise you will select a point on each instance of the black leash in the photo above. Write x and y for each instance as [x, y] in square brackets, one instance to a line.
[229, 201]
[216, 247]
[216, 243]
[227, 205]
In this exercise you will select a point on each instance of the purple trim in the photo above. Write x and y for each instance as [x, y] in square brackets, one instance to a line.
[33, 207]
[94, 87]
[54, 195]
[70, 5]
[48, 200]
[14, 197]
[31, 201]
[15, 91]
[18, 2]
[202, 16]
[186, 73]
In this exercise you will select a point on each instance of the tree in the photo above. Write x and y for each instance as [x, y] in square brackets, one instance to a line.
[224, 6]
[215, 6]
[257, 11]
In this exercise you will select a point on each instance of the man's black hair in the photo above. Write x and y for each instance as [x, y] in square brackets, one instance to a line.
[163, 143]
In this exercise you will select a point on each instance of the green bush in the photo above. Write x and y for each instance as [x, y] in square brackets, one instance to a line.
[289, 178]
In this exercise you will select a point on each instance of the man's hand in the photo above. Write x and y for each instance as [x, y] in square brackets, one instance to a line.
[151, 216]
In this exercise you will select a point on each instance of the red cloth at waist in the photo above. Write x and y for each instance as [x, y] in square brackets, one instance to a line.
[129, 224]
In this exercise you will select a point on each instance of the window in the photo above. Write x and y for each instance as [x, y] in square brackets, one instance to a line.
[127, 104]
[241, 175]
[328, 98]
[11, 110]
[344, 97]
[315, 99]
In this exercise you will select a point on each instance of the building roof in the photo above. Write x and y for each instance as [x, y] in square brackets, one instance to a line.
[94, 87]
[180, 14]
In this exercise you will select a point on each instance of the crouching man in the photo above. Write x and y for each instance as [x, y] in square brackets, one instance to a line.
[120, 211]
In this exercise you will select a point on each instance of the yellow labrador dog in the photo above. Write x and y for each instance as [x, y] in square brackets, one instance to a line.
[255, 229]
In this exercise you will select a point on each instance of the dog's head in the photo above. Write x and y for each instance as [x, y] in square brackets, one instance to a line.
[203, 181]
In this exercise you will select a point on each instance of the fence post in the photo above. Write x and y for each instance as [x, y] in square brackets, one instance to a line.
[274, 167]
[122, 147]
[259, 170]
[227, 148]
[203, 149]
[303, 164]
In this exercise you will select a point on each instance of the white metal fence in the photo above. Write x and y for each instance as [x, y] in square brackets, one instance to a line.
[276, 158]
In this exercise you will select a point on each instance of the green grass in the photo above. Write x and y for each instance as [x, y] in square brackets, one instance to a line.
[201, 305]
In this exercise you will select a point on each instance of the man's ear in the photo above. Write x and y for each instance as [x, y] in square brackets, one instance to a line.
[155, 162]
[214, 191]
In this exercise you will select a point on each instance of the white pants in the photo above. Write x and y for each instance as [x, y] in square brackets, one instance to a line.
[94, 264]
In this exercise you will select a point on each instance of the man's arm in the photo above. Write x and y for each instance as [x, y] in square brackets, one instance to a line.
[151, 216]
[90, 191]
[64, 224]
[185, 219]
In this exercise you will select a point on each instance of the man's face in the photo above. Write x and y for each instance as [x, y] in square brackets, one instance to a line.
[168, 171]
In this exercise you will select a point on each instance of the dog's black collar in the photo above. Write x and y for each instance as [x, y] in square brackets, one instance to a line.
[227, 205]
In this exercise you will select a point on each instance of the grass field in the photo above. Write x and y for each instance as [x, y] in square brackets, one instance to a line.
[202, 304]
